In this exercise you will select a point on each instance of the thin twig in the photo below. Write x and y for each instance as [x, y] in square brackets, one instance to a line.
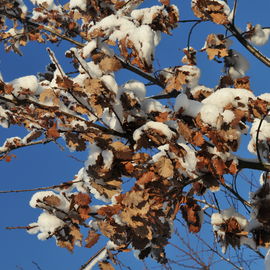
[39, 188]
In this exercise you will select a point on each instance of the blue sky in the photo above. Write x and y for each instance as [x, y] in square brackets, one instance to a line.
[47, 165]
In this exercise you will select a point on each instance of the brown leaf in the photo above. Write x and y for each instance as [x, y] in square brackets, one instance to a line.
[219, 165]
[165, 2]
[162, 117]
[210, 10]
[146, 178]
[109, 64]
[52, 200]
[121, 151]
[75, 232]
[8, 88]
[242, 83]
[65, 244]
[47, 95]
[198, 139]
[84, 212]
[105, 266]
[9, 157]
[216, 46]
[92, 238]
[82, 199]
[53, 132]
[106, 228]
[164, 167]
[190, 213]
[109, 210]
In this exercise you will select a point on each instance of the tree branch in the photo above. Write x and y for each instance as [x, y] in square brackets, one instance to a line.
[40, 188]
[247, 45]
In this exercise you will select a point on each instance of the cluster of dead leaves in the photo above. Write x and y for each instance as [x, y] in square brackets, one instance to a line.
[215, 46]
[210, 10]
[165, 19]
[191, 213]
[175, 78]
[145, 223]
[232, 232]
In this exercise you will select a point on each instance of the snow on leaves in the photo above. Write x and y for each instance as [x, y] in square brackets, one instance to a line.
[169, 154]
[214, 10]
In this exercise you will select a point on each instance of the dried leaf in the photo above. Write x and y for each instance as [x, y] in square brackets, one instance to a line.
[53, 132]
[82, 199]
[52, 200]
[109, 64]
[146, 178]
[105, 266]
[92, 238]
[164, 167]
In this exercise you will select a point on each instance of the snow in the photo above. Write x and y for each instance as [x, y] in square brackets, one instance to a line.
[199, 88]
[26, 82]
[189, 161]
[237, 64]
[213, 106]
[152, 105]
[210, 114]
[82, 4]
[47, 224]
[260, 36]
[225, 96]
[226, 8]
[87, 50]
[153, 125]
[107, 158]
[118, 28]
[102, 255]
[228, 116]
[137, 87]
[265, 96]
[38, 196]
[219, 218]
[110, 118]
[93, 155]
[49, 4]
[3, 118]
[22, 6]
[264, 134]
[189, 107]
[267, 260]
[110, 83]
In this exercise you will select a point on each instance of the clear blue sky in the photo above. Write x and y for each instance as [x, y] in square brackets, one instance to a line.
[48, 165]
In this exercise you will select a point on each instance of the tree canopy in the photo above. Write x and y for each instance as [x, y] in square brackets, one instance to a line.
[162, 147]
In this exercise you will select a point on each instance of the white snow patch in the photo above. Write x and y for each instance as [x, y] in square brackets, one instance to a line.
[82, 4]
[107, 158]
[260, 36]
[153, 125]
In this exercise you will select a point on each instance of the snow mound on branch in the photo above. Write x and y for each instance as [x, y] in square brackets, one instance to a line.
[137, 87]
[153, 125]
[82, 4]
[152, 105]
[260, 36]
[27, 82]
[118, 28]
[225, 96]
[264, 135]
[219, 218]
[213, 106]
